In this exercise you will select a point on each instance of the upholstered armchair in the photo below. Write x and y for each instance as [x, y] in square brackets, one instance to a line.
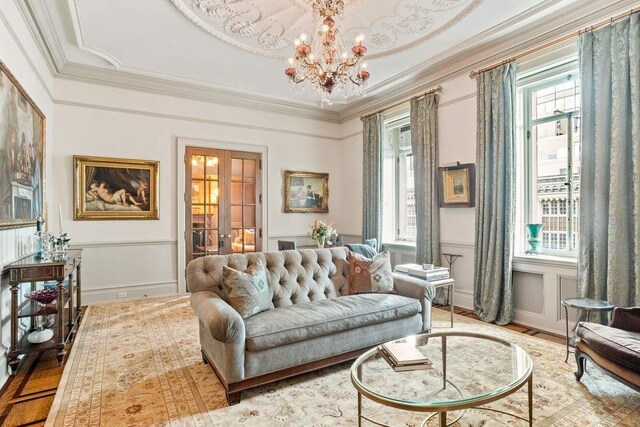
[615, 348]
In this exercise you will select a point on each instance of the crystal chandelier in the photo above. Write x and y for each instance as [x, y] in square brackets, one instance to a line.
[335, 66]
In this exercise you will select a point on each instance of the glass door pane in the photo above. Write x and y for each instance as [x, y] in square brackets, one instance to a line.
[243, 203]
[203, 222]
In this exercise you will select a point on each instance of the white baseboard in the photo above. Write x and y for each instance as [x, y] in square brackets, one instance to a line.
[92, 296]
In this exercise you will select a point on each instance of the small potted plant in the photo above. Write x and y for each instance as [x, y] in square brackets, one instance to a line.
[321, 231]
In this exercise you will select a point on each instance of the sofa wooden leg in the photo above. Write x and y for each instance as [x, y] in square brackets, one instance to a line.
[580, 361]
[233, 398]
[204, 358]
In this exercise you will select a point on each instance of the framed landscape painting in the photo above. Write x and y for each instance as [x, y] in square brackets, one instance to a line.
[109, 188]
[22, 154]
[457, 186]
[306, 192]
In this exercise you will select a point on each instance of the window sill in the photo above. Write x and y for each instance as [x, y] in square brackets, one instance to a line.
[400, 245]
[547, 260]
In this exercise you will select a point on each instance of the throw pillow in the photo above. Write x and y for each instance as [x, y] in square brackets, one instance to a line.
[370, 275]
[247, 292]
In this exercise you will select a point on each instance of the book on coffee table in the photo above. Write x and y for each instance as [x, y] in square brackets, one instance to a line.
[403, 357]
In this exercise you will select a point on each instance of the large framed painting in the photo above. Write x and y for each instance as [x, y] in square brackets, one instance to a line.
[22, 155]
[457, 186]
[306, 192]
[109, 188]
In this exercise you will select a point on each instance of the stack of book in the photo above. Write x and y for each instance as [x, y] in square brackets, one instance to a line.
[403, 357]
[416, 270]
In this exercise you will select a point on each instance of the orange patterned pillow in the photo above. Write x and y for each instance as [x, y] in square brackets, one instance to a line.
[370, 275]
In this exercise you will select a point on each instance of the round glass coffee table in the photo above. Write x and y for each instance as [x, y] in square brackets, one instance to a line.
[468, 370]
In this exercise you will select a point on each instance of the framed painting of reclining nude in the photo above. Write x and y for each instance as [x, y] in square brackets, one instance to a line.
[108, 189]
[22, 146]
[306, 192]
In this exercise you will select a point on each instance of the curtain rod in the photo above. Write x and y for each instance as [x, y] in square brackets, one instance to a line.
[473, 74]
[429, 92]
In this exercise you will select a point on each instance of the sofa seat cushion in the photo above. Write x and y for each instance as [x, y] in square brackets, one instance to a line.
[620, 346]
[285, 325]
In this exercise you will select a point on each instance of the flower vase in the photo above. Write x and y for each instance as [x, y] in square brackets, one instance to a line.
[320, 242]
[534, 240]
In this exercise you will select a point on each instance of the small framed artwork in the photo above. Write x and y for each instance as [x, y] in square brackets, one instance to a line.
[22, 155]
[457, 186]
[109, 189]
[306, 192]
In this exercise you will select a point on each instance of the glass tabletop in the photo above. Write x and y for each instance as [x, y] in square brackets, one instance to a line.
[32, 260]
[587, 304]
[468, 369]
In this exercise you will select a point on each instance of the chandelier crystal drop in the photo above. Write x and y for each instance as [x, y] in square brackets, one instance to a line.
[335, 68]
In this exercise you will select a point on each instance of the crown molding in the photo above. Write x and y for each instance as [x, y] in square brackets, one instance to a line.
[445, 66]
[493, 45]
[201, 91]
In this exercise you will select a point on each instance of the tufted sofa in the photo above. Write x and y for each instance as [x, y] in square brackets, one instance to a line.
[314, 321]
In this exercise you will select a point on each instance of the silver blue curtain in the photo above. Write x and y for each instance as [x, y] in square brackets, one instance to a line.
[424, 146]
[495, 195]
[609, 257]
[373, 133]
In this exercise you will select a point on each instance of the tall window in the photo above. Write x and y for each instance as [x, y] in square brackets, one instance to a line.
[399, 211]
[551, 147]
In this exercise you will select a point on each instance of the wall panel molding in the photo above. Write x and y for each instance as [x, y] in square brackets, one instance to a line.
[115, 244]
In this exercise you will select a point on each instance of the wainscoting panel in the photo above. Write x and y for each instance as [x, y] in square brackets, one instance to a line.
[528, 290]
[131, 269]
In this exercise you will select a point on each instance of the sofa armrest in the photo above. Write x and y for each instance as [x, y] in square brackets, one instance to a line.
[224, 323]
[419, 289]
[627, 319]
[222, 335]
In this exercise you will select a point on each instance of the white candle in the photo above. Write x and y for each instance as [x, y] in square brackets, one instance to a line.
[60, 218]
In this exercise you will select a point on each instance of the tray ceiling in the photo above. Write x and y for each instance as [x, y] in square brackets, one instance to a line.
[268, 27]
[238, 47]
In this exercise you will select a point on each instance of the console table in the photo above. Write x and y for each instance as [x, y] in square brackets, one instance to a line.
[32, 270]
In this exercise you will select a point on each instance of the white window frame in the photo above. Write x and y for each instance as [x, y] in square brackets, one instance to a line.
[400, 158]
[528, 85]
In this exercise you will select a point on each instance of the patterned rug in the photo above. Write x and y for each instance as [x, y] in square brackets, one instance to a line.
[137, 363]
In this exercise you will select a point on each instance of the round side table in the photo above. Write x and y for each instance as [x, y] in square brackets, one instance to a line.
[582, 304]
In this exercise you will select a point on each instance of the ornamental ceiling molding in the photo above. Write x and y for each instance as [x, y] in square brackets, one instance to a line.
[253, 26]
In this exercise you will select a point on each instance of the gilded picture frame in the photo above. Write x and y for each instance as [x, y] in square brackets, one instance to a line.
[22, 155]
[107, 188]
[457, 186]
[306, 192]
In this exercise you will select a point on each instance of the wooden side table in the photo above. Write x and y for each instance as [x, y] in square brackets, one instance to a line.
[32, 270]
[582, 304]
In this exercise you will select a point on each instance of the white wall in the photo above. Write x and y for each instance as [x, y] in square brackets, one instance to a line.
[140, 257]
[23, 59]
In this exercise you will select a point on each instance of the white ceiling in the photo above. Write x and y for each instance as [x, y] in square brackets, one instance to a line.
[240, 46]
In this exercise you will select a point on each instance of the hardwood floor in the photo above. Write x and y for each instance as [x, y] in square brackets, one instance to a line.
[26, 398]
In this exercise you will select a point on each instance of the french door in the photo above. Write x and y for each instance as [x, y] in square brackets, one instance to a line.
[222, 202]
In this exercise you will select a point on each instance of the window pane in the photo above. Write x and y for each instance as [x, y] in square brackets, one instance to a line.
[197, 167]
[197, 192]
[212, 167]
[236, 169]
[561, 98]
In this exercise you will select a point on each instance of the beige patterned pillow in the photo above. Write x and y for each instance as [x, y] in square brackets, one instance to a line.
[247, 292]
[370, 275]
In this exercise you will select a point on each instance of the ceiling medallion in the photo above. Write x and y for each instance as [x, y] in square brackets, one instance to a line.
[335, 68]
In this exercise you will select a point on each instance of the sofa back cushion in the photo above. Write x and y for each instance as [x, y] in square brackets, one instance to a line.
[294, 277]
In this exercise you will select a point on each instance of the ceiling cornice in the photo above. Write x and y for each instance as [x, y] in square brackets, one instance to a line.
[501, 44]
[430, 74]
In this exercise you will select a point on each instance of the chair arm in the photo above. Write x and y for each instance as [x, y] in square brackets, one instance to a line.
[223, 322]
[419, 289]
[627, 319]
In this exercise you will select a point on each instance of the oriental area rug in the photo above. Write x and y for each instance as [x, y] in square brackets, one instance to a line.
[138, 363]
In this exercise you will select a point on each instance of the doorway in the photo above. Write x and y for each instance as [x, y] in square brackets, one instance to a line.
[223, 194]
